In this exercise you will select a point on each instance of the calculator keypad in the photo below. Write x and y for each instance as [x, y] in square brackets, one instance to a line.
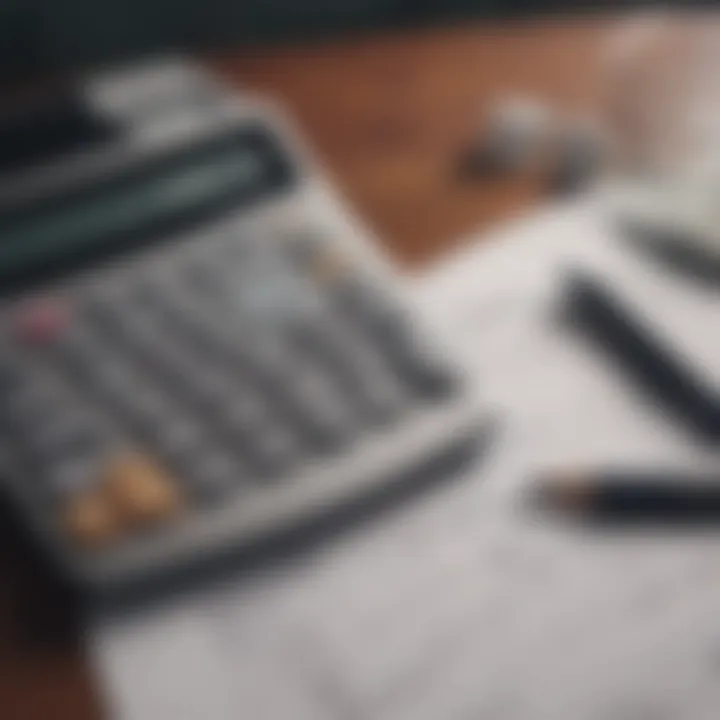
[221, 374]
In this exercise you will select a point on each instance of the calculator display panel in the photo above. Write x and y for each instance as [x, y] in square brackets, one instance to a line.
[142, 206]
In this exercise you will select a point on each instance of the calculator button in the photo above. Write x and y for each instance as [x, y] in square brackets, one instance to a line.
[110, 321]
[175, 438]
[141, 490]
[382, 398]
[98, 313]
[203, 278]
[41, 321]
[90, 519]
[362, 300]
[348, 368]
[271, 449]
[148, 406]
[112, 379]
[27, 404]
[236, 249]
[260, 349]
[10, 377]
[66, 439]
[379, 390]
[77, 350]
[420, 367]
[320, 411]
[214, 474]
[244, 411]
[372, 316]
[67, 477]
[389, 332]
[213, 387]
[303, 247]
[329, 266]
[258, 437]
[144, 294]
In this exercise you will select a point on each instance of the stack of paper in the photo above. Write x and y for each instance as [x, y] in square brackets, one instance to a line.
[457, 606]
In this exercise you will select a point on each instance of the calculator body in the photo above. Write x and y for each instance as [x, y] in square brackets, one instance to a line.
[200, 347]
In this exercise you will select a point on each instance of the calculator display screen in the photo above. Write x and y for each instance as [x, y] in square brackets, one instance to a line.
[143, 205]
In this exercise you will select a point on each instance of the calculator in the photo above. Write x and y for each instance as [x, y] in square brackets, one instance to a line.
[200, 347]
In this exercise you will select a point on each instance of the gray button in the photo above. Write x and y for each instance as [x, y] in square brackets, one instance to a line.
[273, 448]
[421, 368]
[366, 303]
[213, 474]
[204, 278]
[304, 246]
[147, 403]
[266, 444]
[11, 376]
[389, 335]
[265, 350]
[382, 396]
[237, 249]
[145, 294]
[319, 411]
[354, 370]
[30, 403]
[390, 332]
[176, 438]
[114, 381]
[376, 391]
[68, 477]
[243, 412]
[66, 437]
[213, 387]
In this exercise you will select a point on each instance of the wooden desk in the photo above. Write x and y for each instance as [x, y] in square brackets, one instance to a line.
[387, 116]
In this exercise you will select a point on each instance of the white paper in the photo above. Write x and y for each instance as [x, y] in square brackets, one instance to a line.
[456, 606]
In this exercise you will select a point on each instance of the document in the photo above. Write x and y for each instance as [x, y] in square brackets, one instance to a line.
[459, 604]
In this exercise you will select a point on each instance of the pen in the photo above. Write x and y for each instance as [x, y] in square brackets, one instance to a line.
[657, 368]
[632, 496]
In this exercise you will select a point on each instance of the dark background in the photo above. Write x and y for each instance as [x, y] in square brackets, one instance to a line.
[37, 36]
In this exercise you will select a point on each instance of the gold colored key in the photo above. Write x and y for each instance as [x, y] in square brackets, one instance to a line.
[141, 490]
[91, 520]
[329, 265]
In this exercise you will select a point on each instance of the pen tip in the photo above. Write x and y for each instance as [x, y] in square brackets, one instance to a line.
[567, 490]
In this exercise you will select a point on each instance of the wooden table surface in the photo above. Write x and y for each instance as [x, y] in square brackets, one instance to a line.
[387, 115]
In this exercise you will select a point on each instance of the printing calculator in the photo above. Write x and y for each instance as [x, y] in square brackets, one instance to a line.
[200, 347]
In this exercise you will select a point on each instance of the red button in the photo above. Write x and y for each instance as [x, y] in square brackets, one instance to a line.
[40, 321]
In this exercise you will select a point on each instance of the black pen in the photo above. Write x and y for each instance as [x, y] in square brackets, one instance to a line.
[663, 497]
